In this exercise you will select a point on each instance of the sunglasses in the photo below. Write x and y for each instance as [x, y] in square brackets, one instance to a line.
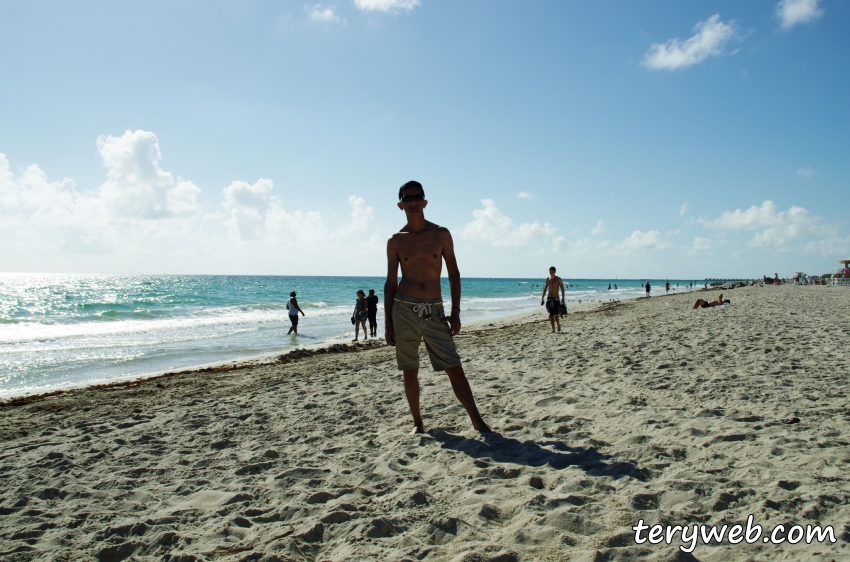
[417, 197]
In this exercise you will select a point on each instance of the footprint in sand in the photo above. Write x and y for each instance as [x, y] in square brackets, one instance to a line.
[548, 401]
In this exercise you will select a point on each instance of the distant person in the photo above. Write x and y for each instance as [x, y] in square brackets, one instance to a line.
[609, 286]
[294, 309]
[708, 304]
[667, 287]
[372, 309]
[647, 288]
[414, 308]
[360, 315]
[615, 286]
[553, 305]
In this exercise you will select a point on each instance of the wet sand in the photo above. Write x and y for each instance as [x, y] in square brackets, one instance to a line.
[644, 409]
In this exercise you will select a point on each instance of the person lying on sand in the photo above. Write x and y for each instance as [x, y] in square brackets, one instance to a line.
[414, 307]
[706, 304]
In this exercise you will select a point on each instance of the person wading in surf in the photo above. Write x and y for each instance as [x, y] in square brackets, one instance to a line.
[414, 307]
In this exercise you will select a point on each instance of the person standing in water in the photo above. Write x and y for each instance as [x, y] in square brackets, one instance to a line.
[414, 308]
[553, 282]
[372, 309]
[360, 315]
[294, 309]
[647, 288]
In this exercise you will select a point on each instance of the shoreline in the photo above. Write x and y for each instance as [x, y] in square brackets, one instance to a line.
[265, 359]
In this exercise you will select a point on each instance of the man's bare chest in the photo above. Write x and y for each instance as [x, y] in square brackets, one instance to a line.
[420, 248]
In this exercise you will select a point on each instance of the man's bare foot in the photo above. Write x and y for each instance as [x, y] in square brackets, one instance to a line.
[485, 429]
[417, 428]
[355, 339]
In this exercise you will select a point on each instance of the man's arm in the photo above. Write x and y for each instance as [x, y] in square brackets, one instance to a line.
[298, 308]
[563, 295]
[454, 280]
[390, 288]
[545, 288]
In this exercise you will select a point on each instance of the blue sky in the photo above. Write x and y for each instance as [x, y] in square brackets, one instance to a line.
[651, 139]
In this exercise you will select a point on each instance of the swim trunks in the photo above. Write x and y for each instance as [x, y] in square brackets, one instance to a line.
[553, 304]
[293, 319]
[415, 320]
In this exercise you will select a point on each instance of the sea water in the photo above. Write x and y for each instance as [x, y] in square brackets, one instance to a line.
[63, 330]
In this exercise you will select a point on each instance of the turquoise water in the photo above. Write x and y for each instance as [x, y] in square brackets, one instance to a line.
[59, 330]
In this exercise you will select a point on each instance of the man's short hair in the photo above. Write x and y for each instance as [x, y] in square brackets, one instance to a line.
[371, 291]
[552, 268]
[415, 184]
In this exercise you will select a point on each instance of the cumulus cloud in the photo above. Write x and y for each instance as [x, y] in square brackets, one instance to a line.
[807, 172]
[701, 245]
[136, 187]
[524, 195]
[774, 228]
[317, 12]
[490, 225]
[254, 214]
[710, 36]
[643, 241]
[792, 12]
[684, 209]
[599, 229]
[386, 5]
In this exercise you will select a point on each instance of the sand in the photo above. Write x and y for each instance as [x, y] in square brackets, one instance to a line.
[644, 409]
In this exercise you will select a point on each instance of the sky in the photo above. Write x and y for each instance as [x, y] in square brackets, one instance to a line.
[654, 139]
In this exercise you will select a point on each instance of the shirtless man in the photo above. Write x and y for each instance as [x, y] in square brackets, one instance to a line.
[414, 307]
[552, 303]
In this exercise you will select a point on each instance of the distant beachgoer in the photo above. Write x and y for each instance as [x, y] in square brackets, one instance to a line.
[372, 309]
[708, 304]
[667, 287]
[294, 309]
[615, 286]
[609, 286]
[553, 305]
[414, 308]
[647, 288]
[361, 314]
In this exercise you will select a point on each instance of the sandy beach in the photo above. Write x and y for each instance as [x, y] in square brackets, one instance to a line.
[641, 409]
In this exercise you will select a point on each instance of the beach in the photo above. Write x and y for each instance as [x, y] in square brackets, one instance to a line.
[638, 410]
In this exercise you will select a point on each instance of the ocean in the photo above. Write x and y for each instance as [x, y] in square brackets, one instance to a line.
[64, 330]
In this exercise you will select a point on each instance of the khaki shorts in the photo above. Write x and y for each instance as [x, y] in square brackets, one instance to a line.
[418, 319]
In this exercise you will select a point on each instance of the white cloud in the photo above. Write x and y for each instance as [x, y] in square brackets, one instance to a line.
[643, 241]
[524, 195]
[775, 228]
[708, 40]
[386, 5]
[684, 208]
[792, 12]
[599, 229]
[136, 187]
[256, 215]
[701, 245]
[317, 12]
[807, 172]
[490, 225]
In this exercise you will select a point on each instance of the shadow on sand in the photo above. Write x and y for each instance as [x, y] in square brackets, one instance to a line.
[556, 454]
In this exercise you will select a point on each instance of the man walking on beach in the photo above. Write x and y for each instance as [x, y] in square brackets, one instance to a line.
[294, 309]
[552, 303]
[414, 308]
[372, 310]
[647, 288]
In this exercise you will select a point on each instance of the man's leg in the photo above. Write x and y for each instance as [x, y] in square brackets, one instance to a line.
[558, 322]
[464, 394]
[411, 390]
[552, 322]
